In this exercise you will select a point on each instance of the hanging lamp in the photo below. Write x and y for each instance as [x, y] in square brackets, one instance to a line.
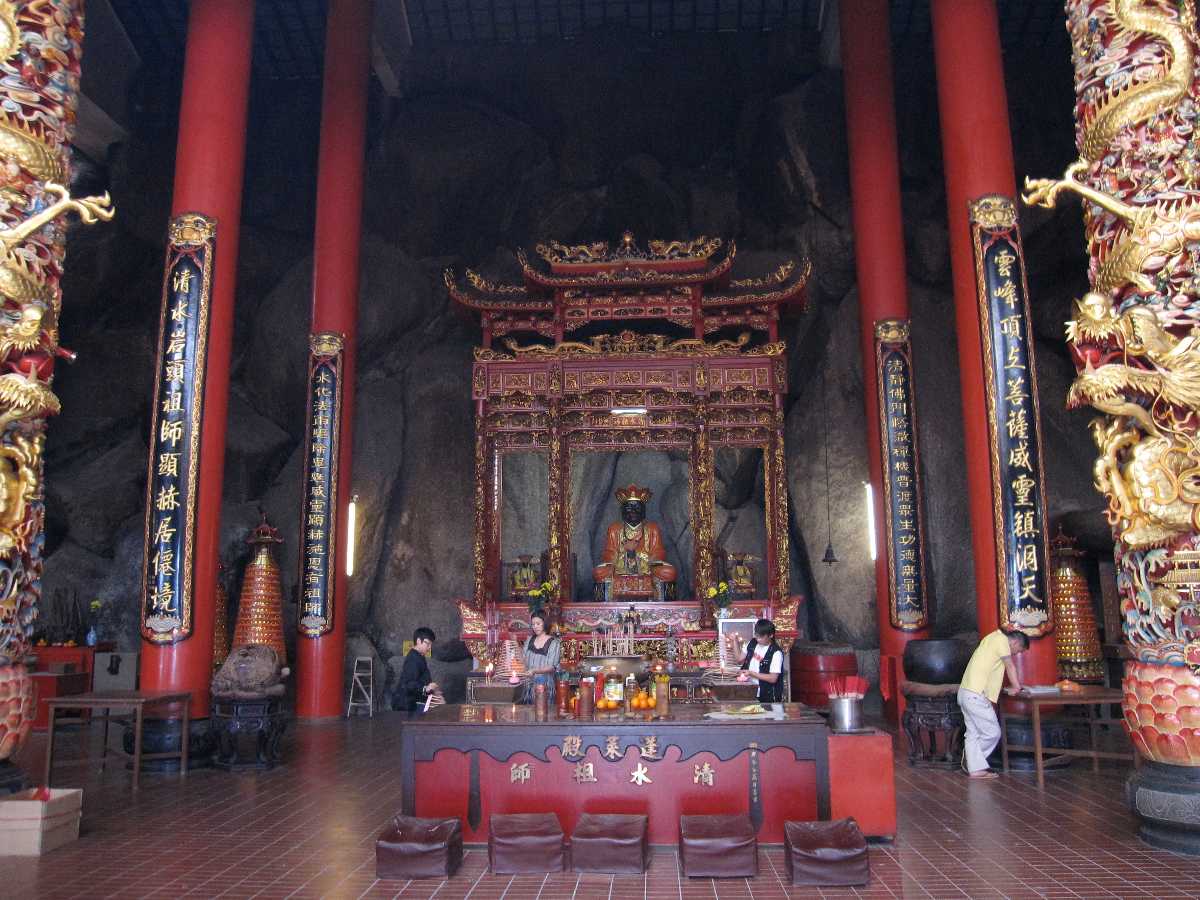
[829, 558]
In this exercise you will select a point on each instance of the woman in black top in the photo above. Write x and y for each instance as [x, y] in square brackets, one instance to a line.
[542, 654]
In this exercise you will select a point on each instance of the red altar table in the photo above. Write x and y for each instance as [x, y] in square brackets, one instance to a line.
[50, 685]
[471, 761]
[862, 781]
[50, 658]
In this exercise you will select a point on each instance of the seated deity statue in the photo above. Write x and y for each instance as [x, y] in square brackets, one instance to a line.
[525, 577]
[633, 564]
[741, 574]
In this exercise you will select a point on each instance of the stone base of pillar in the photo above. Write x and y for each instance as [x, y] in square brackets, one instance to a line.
[1166, 800]
[12, 779]
[162, 736]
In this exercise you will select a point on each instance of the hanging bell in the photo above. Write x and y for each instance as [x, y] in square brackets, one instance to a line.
[829, 558]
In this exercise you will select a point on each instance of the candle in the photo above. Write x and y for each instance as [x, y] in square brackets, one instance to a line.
[490, 667]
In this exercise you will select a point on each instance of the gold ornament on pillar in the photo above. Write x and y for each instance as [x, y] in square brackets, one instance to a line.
[1078, 643]
[221, 620]
[40, 47]
[260, 612]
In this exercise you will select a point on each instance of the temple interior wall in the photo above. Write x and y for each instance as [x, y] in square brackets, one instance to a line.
[492, 149]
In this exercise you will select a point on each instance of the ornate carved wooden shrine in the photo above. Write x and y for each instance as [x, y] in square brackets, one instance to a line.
[609, 382]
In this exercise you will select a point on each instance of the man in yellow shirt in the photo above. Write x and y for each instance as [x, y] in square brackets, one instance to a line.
[980, 688]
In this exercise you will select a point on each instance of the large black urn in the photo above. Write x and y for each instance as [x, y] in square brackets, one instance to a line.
[935, 662]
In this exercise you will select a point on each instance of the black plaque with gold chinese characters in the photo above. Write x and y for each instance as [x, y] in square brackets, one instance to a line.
[904, 527]
[174, 463]
[1014, 431]
[318, 517]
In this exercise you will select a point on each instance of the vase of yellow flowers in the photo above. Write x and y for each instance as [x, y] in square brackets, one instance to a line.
[721, 598]
[539, 596]
[92, 638]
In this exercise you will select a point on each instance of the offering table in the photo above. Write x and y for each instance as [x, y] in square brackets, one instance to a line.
[471, 761]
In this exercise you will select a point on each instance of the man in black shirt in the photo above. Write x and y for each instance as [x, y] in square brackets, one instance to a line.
[415, 681]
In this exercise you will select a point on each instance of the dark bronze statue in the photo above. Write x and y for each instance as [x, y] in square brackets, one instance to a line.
[251, 672]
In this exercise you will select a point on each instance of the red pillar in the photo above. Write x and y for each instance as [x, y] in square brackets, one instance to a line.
[878, 257]
[977, 155]
[209, 161]
[319, 661]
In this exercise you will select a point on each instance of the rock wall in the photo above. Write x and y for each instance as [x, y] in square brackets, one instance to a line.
[496, 148]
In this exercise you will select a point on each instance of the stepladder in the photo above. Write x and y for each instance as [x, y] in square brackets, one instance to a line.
[362, 687]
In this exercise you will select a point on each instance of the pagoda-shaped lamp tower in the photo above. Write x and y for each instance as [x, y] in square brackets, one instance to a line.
[260, 612]
[1079, 654]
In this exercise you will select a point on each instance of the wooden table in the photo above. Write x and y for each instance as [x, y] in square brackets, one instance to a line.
[1089, 697]
[106, 701]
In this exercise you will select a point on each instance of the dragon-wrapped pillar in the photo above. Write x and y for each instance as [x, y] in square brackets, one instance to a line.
[40, 49]
[1134, 340]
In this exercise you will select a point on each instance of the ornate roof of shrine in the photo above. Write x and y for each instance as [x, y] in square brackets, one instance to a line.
[666, 267]
[688, 283]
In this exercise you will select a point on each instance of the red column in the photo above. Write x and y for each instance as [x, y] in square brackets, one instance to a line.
[209, 161]
[977, 155]
[319, 661]
[878, 256]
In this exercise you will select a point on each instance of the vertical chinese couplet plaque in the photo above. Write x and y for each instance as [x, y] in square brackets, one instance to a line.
[318, 517]
[904, 525]
[175, 434]
[1014, 432]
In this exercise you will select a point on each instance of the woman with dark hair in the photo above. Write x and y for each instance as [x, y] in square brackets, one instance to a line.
[764, 662]
[542, 653]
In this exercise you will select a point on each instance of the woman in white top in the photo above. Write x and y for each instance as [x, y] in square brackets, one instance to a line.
[764, 662]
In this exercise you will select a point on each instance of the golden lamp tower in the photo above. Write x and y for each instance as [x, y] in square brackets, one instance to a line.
[260, 613]
[1079, 654]
[221, 621]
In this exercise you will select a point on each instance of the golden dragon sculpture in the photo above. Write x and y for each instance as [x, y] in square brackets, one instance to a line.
[40, 49]
[1139, 102]
[1156, 234]
[1149, 464]
[1135, 338]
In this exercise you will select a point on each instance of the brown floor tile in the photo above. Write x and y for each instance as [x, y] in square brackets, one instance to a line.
[308, 829]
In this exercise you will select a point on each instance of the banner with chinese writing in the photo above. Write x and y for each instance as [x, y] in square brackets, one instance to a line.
[1014, 431]
[318, 516]
[174, 463]
[904, 527]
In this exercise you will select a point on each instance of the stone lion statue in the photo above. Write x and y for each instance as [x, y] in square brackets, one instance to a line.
[250, 673]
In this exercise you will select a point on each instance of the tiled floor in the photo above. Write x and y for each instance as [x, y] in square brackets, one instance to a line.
[308, 830]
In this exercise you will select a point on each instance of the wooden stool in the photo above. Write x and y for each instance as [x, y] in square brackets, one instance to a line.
[612, 844]
[264, 720]
[519, 843]
[825, 853]
[718, 846]
[362, 686]
[419, 848]
[933, 724]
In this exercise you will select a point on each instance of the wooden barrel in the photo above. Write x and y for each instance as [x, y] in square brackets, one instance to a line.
[812, 664]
